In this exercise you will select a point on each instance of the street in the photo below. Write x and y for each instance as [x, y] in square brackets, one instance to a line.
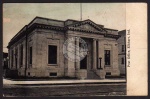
[64, 90]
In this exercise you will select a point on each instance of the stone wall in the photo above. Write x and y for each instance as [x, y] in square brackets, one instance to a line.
[121, 54]
[104, 44]
[17, 46]
[42, 40]
[111, 45]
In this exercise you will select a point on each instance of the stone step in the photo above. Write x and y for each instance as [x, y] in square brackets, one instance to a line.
[92, 75]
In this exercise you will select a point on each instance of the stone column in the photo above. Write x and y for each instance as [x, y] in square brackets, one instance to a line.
[94, 54]
[77, 63]
[71, 62]
[98, 52]
[101, 52]
[77, 54]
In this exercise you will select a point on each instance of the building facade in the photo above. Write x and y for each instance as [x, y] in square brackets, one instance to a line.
[37, 49]
[122, 52]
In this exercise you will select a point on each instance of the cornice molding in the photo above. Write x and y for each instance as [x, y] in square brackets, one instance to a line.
[29, 29]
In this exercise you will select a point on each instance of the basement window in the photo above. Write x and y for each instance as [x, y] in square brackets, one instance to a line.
[52, 74]
[108, 73]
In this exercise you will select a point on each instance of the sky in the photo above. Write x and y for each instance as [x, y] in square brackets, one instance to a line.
[17, 15]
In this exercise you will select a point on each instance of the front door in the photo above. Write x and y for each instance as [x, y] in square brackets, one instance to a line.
[83, 63]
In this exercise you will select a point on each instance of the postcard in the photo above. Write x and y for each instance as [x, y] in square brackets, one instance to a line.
[75, 49]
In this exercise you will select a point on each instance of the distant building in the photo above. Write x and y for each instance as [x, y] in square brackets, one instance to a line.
[37, 49]
[5, 60]
[122, 52]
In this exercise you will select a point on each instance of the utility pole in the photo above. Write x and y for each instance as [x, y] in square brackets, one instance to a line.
[81, 11]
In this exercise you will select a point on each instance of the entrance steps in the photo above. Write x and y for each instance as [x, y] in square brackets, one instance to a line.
[92, 75]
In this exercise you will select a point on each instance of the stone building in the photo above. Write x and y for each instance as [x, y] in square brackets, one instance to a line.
[37, 49]
[122, 52]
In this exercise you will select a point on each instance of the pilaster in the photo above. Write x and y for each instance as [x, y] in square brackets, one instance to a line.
[94, 54]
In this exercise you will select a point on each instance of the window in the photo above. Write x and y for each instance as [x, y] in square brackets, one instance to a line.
[30, 53]
[53, 74]
[52, 54]
[108, 73]
[12, 58]
[107, 57]
[21, 55]
[28, 73]
[122, 48]
[122, 60]
[83, 63]
[16, 57]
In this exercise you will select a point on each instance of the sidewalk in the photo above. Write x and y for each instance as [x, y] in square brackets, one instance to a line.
[61, 82]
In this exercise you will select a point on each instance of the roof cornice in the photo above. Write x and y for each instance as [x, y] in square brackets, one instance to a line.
[28, 28]
[83, 30]
[87, 22]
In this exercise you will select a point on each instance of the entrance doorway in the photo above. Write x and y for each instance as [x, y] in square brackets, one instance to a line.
[86, 63]
[83, 63]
